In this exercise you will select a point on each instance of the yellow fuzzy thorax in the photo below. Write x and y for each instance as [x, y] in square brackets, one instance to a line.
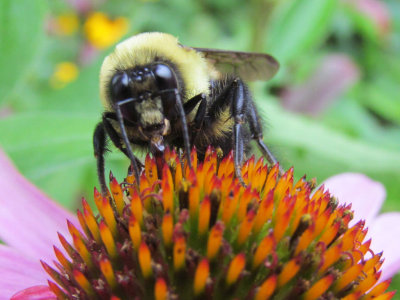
[144, 48]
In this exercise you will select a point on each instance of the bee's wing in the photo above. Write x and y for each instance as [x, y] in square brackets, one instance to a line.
[247, 65]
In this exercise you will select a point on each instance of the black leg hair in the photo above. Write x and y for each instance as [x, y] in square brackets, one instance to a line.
[99, 146]
[189, 105]
[199, 117]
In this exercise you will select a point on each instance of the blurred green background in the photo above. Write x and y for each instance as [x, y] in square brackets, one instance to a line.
[333, 107]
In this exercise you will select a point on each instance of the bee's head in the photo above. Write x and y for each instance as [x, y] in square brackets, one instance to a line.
[145, 95]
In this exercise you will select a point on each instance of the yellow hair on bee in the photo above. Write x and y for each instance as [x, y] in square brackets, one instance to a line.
[145, 48]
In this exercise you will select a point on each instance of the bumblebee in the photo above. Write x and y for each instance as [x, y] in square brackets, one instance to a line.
[157, 92]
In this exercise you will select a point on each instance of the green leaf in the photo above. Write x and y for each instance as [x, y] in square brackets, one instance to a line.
[21, 35]
[297, 26]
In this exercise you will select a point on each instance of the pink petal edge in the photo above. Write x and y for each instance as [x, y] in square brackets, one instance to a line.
[365, 194]
[18, 271]
[385, 233]
[40, 292]
[29, 220]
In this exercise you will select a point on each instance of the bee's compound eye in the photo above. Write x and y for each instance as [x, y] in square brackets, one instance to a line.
[120, 89]
[164, 77]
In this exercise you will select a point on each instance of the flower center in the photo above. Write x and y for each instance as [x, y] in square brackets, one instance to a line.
[198, 233]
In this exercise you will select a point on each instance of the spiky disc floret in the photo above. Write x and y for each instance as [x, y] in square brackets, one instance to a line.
[199, 234]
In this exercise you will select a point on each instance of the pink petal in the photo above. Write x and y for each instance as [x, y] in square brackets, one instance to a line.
[17, 272]
[333, 76]
[377, 11]
[35, 293]
[385, 233]
[29, 220]
[365, 194]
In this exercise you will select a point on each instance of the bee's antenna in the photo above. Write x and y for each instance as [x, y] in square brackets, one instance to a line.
[184, 126]
[127, 143]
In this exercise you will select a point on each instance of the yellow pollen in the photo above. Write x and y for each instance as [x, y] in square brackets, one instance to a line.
[137, 207]
[330, 233]
[305, 239]
[160, 289]
[288, 272]
[56, 290]
[204, 215]
[118, 195]
[266, 289]
[281, 223]
[167, 228]
[108, 240]
[235, 268]
[264, 212]
[83, 251]
[367, 283]
[150, 170]
[194, 194]
[134, 232]
[167, 190]
[200, 277]
[330, 256]
[318, 288]
[91, 221]
[108, 272]
[378, 290]
[179, 253]
[264, 248]
[144, 257]
[214, 241]
[83, 282]
[108, 215]
[245, 228]
[62, 259]
[348, 277]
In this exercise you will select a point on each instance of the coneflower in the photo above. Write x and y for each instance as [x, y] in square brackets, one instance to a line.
[199, 234]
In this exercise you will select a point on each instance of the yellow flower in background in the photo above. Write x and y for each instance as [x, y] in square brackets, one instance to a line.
[102, 32]
[67, 24]
[64, 73]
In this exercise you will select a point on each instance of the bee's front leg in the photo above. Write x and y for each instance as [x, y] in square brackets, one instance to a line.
[200, 114]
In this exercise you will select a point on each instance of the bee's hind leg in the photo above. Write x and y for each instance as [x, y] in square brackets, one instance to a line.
[256, 131]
